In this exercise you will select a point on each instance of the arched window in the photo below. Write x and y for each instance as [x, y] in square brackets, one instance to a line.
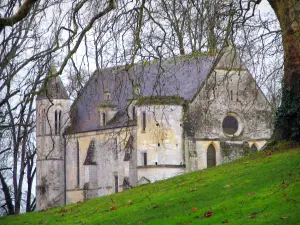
[254, 148]
[211, 156]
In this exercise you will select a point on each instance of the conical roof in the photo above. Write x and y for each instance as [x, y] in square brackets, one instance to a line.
[53, 88]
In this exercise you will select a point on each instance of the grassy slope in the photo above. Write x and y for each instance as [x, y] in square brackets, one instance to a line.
[259, 189]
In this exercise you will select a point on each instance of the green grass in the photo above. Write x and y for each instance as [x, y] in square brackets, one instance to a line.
[260, 189]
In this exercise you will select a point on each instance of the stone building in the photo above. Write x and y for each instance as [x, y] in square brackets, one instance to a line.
[153, 121]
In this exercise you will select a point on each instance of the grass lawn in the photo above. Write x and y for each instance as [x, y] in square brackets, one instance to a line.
[263, 188]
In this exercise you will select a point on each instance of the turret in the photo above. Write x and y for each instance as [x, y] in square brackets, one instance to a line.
[52, 116]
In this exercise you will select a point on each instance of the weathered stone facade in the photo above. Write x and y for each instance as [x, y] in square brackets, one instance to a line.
[212, 112]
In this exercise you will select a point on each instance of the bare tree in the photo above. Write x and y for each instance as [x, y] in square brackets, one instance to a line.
[32, 40]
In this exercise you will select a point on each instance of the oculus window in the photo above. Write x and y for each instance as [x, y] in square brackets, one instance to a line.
[230, 125]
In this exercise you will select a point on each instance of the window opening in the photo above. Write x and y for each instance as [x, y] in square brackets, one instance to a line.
[231, 95]
[133, 112]
[116, 184]
[59, 122]
[230, 125]
[43, 130]
[56, 122]
[78, 164]
[254, 148]
[107, 97]
[116, 148]
[144, 121]
[211, 156]
[145, 158]
[103, 119]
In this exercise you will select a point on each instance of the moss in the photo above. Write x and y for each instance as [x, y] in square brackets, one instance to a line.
[106, 104]
[162, 100]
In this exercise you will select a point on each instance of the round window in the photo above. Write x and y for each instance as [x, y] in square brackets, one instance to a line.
[230, 125]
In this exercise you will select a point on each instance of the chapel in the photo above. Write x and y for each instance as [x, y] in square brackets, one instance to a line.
[153, 121]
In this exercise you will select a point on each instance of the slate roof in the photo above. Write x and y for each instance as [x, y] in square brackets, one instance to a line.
[174, 77]
[181, 77]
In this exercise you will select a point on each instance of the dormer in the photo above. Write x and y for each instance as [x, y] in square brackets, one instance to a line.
[132, 109]
[106, 112]
[136, 91]
[107, 95]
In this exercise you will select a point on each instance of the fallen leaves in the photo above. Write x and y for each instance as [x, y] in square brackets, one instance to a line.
[113, 208]
[208, 214]
[193, 189]
[251, 194]
[283, 217]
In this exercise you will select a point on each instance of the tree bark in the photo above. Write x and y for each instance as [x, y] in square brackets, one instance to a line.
[19, 15]
[288, 14]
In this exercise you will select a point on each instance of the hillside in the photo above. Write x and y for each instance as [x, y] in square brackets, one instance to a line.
[263, 188]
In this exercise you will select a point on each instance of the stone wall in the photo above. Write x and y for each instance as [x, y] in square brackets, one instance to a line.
[161, 141]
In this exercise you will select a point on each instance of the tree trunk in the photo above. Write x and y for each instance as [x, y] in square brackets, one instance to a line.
[8, 200]
[287, 124]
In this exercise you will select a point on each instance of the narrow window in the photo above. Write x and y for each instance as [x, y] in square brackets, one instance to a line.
[78, 164]
[59, 122]
[145, 158]
[116, 184]
[144, 121]
[133, 112]
[116, 148]
[103, 119]
[56, 123]
[43, 131]
[231, 95]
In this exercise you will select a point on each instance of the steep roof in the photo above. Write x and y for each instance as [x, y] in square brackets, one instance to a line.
[53, 88]
[173, 77]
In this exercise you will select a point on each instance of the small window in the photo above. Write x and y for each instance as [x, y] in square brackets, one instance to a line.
[78, 165]
[56, 122]
[59, 122]
[116, 148]
[116, 184]
[230, 125]
[103, 119]
[145, 158]
[254, 148]
[107, 97]
[231, 95]
[133, 112]
[43, 127]
[144, 122]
